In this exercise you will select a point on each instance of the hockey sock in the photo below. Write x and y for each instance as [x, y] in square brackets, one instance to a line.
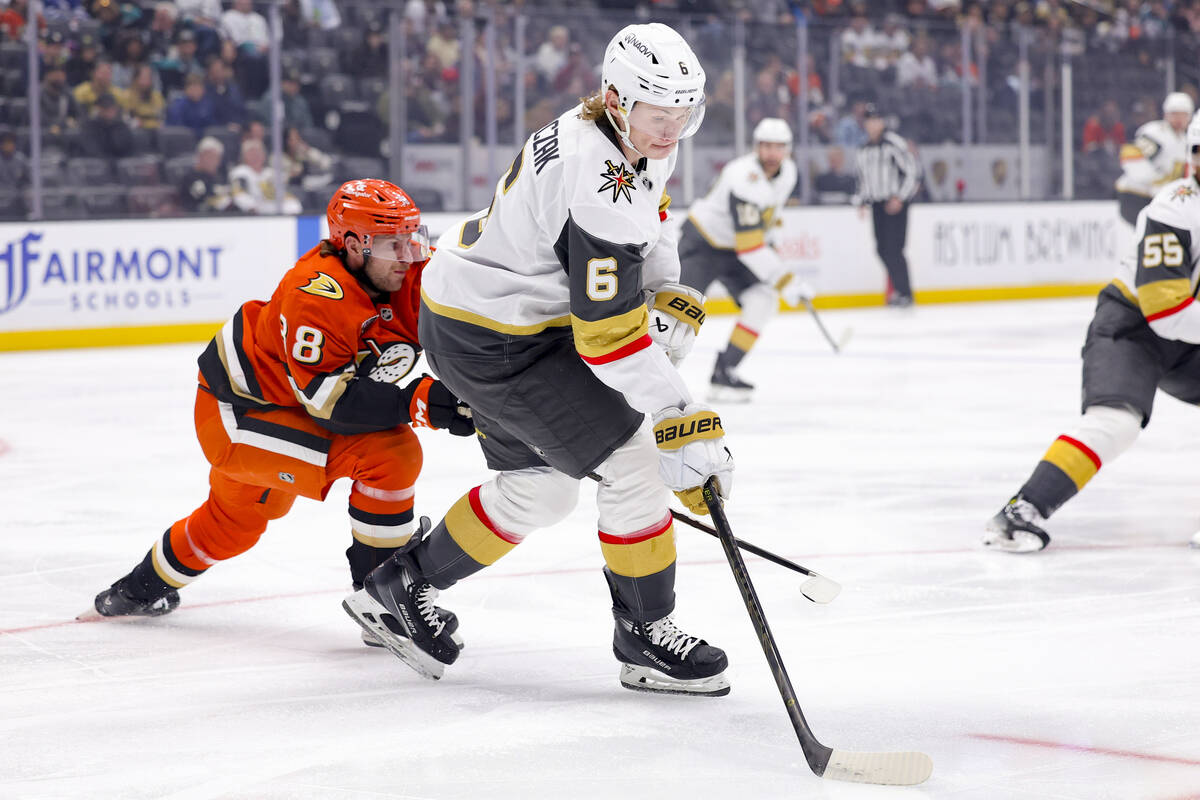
[463, 543]
[641, 571]
[1074, 458]
[363, 558]
[740, 342]
[144, 583]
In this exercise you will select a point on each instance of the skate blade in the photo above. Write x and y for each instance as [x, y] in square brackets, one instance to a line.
[370, 640]
[363, 609]
[644, 679]
[1019, 542]
[728, 394]
[91, 615]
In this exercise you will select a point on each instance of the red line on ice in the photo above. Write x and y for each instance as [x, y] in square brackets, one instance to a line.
[582, 570]
[1081, 748]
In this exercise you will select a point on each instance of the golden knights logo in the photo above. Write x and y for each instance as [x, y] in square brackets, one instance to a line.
[619, 180]
[1182, 193]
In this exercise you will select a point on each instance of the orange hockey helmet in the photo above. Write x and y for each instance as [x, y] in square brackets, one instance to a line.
[372, 207]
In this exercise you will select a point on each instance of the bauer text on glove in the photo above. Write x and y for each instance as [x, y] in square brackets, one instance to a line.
[691, 449]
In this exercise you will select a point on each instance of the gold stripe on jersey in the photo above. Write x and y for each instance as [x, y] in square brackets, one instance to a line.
[321, 404]
[704, 233]
[604, 336]
[224, 356]
[1131, 152]
[1154, 298]
[481, 321]
[1074, 462]
[473, 535]
[664, 202]
[745, 241]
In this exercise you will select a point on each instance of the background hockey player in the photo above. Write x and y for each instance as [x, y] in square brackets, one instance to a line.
[1145, 336]
[725, 238]
[1157, 156]
[535, 313]
[305, 389]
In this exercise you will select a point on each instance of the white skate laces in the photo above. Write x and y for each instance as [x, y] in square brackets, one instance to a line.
[424, 598]
[663, 633]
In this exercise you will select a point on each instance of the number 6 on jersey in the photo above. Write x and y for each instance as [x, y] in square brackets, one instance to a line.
[602, 279]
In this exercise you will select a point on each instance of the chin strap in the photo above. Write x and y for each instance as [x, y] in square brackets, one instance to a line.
[622, 132]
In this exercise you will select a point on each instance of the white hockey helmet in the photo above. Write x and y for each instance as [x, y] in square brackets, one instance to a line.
[652, 64]
[1193, 138]
[1179, 101]
[773, 129]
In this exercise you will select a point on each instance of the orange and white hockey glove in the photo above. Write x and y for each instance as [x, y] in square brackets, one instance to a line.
[431, 405]
[691, 449]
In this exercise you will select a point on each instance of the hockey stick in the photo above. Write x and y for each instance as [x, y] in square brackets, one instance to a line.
[836, 344]
[890, 769]
[817, 588]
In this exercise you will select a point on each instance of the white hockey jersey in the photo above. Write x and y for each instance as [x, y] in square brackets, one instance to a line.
[573, 238]
[742, 209]
[1157, 156]
[1159, 274]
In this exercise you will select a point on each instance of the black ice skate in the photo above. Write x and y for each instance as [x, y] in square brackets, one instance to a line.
[116, 601]
[658, 657]
[726, 387]
[1016, 528]
[449, 619]
[396, 606]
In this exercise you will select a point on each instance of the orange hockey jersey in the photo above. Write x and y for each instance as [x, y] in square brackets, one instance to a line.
[322, 344]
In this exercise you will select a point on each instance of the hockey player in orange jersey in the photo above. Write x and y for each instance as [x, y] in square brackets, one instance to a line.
[307, 388]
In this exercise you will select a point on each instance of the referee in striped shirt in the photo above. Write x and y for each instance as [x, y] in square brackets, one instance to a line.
[888, 177]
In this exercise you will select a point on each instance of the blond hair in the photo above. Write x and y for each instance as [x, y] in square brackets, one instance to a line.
[593, 105]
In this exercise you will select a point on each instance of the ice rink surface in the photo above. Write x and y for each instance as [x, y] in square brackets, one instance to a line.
[1071, 674]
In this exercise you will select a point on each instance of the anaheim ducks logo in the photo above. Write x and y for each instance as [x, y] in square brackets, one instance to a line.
[1182, 193]
[324, 286]
[619, 180]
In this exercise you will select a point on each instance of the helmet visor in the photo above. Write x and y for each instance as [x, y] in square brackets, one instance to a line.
[410, 247]
[665, 122]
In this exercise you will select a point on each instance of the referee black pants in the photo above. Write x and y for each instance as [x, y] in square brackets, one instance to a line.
[890, 233]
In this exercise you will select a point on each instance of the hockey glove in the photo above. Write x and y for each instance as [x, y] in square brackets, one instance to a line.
[431, 405]
[794, 291]
[691, 448]
[676, 314]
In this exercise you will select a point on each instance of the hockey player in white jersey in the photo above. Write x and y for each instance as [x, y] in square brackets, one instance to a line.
[726, 239]
[555, 315]
[1157, 156]
[1145, 336]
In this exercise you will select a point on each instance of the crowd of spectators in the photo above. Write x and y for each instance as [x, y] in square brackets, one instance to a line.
[144, 91]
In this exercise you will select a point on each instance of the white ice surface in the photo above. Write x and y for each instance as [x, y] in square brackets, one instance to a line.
[1071, 674]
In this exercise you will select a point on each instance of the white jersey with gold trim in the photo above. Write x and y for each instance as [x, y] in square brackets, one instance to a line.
[741, 210]
[1161, 272]
[1157, 156]
[574, 238]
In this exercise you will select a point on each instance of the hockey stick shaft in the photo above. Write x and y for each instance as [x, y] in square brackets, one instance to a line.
[815, 753]
[821, 325]
[743, 544]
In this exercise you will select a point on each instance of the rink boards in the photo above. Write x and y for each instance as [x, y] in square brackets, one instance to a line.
[123, 282]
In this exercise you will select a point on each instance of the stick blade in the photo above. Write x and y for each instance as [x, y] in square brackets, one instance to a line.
[888, 769]
[820, 589]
